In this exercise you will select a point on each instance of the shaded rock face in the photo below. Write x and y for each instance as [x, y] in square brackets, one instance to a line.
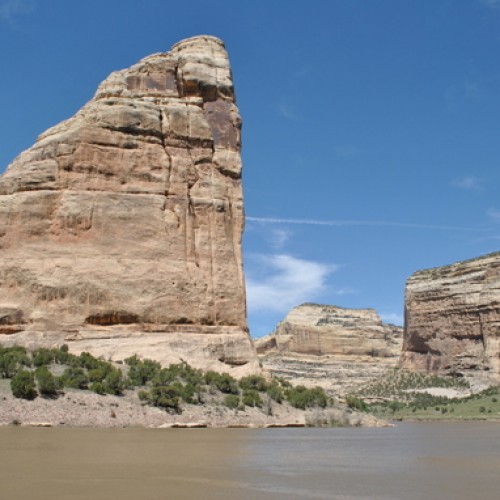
[120, 229]
[330, 346]
[452, 320]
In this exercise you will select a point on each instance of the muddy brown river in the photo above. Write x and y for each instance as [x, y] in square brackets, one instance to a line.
[413, 461]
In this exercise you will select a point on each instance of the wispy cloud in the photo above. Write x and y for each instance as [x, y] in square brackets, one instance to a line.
[394, 318]
[278, 282]
[493, 4]
[479, 90]
[471, 182]
[279, 237]
[494, 214]
[302, 71]
[287, 111]
[346, 290]
[9, 9]
[345, 151]
[350, 223]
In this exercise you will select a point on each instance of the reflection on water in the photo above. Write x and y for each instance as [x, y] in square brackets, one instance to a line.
[413, 461]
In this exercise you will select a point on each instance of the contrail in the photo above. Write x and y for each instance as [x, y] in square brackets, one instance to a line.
[347, 223]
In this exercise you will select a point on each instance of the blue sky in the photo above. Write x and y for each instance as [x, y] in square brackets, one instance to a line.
[371, 139]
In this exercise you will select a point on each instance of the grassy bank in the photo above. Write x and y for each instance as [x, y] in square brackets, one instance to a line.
[404, 395]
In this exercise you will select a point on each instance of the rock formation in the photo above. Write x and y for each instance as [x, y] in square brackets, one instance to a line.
[330, 346]
[120, 229]
[452, 320]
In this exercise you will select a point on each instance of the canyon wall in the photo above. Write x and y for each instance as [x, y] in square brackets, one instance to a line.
[452, 320]
[333, 347]
[120, 228]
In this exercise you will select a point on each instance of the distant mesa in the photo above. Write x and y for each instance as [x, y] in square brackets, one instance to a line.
[452, 323]
[452, 327]
[120, 228]
[333, 347]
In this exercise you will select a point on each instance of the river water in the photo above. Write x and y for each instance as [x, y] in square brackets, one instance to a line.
[412, 461]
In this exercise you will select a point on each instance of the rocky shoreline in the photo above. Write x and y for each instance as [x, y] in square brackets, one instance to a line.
[86, 409]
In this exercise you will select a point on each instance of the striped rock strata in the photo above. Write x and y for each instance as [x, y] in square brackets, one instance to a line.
[453, 319]
[120, 229]
[329, 346]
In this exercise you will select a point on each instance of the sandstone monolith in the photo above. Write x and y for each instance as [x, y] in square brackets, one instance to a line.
[452, 320]
[334, 347]
[120, 229]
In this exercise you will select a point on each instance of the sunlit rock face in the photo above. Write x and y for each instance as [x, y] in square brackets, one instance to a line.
[120, 229]
[334, 347]
[453, 319]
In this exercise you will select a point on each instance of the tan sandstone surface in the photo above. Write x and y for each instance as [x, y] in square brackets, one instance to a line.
[452, 320]
[120, 228]
[333, 347]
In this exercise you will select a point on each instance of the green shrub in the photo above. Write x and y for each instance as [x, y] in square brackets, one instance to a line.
[12, 359]
[222, 381]
[86, 360]
[232, 401]
[141, 372]
[181, 372]
[114, 382]
[275, 392]
[99, 374]
[251, 397]
[166, 396]
[165, 376]
[98, 387]
[395, 406]
[302, 398]
[132, 360]
[188, 374]
[23, 385]
[356, 403]
[144, 396]
[318, 397]
[47, 383]
[63, 357]
[256, 382]
[43, 357]
[281, 381]
[75, 377]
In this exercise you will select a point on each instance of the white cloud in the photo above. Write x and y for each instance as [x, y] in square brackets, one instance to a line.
[346, 151]
[11, 8]
[471, 182]
[278, 237]
[494, 214]
[287, 111]
[302, 71]
[394, 318]
[279, 282]
[347, 290]
[350, 223]
[494, 4]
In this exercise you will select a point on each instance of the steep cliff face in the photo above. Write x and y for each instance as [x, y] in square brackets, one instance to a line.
[330, 346]
[120, 229]
[453, 318]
